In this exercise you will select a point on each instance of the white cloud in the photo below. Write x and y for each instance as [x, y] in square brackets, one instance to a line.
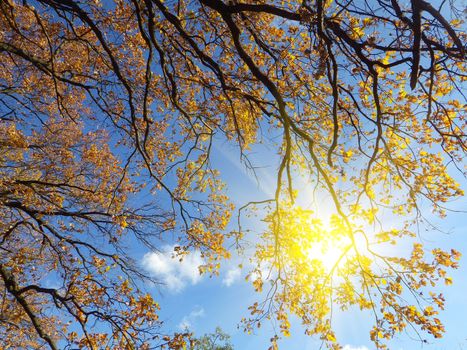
[175, 274]
[264, 273]
[231, 276]
[351, 347]
[187, 321]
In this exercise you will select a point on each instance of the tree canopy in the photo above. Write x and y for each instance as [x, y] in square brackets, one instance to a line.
[108, 114]
[212, 341]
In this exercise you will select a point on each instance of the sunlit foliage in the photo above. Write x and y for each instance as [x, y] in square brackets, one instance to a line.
[311, 267]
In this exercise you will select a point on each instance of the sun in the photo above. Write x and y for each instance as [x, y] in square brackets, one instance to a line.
[328, 254]
[333, 252]
[314, 246]
[325, 243]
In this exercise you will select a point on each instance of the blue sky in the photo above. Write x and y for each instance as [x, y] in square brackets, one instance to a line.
[200, 303]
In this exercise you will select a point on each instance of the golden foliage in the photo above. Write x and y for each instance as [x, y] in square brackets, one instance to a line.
[108, 116]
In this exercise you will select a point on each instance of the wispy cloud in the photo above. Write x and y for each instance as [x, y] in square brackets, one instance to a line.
[175, 274]
[232, 276]
[187, 321]
[351, 347]
[261, 171]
